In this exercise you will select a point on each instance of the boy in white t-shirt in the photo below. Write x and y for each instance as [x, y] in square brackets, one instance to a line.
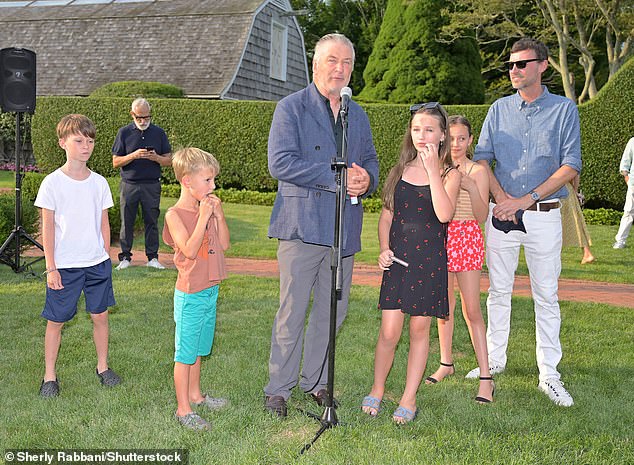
[76, 238]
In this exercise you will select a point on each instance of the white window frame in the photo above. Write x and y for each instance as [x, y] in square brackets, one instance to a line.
[279, 51]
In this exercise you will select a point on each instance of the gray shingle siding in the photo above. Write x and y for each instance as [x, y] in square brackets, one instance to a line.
[196, 45]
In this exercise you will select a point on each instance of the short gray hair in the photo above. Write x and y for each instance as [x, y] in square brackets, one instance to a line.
[140, 102]
[334, 37]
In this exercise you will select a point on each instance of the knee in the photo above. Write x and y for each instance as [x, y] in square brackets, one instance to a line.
[389, 338]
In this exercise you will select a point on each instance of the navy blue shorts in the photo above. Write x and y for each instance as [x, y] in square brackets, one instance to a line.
[95, 281]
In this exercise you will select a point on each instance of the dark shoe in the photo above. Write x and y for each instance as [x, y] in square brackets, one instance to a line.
[108, 377]
[49, 389]
[321, 396]
[194, 421]
[432, 380]
[212, 403]
[276, 405]
[484, 400]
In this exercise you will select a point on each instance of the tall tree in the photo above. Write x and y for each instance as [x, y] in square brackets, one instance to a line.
[409, 64]
[571, 28]
[359, 20]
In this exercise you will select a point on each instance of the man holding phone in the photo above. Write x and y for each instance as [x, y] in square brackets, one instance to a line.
[140, 150]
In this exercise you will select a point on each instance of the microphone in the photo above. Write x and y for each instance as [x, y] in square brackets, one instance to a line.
[346, 96]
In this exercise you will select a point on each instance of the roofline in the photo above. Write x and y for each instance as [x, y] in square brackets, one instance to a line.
[244, 49]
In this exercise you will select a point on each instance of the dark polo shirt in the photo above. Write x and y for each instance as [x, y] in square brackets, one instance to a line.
[130, 138]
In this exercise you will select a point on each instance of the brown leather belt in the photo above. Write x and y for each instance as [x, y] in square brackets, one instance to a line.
[543, 207]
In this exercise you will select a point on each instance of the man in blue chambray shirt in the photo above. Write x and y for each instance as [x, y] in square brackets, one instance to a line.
[534, 139]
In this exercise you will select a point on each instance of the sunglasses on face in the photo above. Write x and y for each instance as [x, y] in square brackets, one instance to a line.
[521, 64]
[425, 106]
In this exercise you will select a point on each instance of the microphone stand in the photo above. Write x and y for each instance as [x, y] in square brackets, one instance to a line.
[340, 164]
[18, 231]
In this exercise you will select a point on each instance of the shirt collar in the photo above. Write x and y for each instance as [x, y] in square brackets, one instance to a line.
[521, 103]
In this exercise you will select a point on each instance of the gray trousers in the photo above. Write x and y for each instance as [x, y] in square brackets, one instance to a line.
[304, 268]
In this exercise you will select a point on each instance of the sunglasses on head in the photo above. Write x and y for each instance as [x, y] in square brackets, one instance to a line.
[521, 64]
[425, 106]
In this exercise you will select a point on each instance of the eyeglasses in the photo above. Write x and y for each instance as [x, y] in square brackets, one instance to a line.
[142, 118]
[425, 106]
[521, 64]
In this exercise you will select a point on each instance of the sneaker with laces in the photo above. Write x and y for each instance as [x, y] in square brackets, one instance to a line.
[211, 403]
[154, 263]
[123, 264]
[619, 245]
[193, 421]
[475, 373]
[554, 388]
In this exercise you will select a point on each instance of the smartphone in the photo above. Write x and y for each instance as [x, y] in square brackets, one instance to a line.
[149, 149]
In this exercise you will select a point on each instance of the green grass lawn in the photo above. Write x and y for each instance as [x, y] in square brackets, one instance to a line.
[7, 179]
[522, 426]
[248, 225]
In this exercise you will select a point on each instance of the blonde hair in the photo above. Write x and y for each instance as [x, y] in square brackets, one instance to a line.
[189, 160]
[75, 124]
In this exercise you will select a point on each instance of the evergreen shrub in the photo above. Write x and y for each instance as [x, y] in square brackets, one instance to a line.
[30, 221]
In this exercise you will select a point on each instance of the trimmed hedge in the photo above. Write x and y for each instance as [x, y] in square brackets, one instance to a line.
[29, 221]
[133, 89]
[236, 132]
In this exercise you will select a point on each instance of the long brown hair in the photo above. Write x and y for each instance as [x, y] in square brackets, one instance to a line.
[408, 152]
[460, 119]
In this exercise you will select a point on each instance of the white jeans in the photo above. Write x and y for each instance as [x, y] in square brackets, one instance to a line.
[542, 248]
[628, 216]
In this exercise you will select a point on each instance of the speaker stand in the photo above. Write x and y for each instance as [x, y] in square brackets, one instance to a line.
[18, 232]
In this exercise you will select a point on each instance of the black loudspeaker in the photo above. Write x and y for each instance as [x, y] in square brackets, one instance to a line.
[17, 80]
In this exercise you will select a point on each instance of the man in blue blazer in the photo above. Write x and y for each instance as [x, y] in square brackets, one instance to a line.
[305, 136]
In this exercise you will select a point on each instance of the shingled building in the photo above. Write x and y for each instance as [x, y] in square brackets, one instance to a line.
[223, 49]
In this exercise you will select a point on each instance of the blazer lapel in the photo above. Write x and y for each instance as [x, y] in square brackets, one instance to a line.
[315, 107]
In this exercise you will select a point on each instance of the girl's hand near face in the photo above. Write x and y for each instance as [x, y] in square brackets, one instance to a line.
[429, 156]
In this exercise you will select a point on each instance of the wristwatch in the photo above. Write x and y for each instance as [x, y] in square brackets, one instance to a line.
[534, 196]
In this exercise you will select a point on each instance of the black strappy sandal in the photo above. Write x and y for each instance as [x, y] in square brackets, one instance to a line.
[484, 400]
[432, 380]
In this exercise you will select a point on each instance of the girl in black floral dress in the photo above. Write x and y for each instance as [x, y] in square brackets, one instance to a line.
[419, 198]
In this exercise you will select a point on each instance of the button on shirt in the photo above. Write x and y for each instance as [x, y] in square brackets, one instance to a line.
[530, 141]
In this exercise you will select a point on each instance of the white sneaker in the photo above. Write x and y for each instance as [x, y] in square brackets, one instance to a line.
[475, 373]
[554, 388]
[154, 263]
[619, 245]
[123, 264]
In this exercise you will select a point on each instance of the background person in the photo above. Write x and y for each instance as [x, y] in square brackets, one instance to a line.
[196, 228]
[465, 257]
[573, 225]
[305, 136]
[140, 150]
[534, 138]
[625, 168]
[76, 238]
[419, 198]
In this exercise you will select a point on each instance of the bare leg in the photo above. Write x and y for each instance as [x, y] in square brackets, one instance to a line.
[469, 282]
[587, 255]
[181, 385]
[389, 335]
[100, 336]
[52, 341]
[194, 382]
[416, 360]
[445, 337]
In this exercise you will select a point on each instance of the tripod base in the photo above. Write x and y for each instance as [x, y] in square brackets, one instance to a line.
[15, 262]
[328, 420]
